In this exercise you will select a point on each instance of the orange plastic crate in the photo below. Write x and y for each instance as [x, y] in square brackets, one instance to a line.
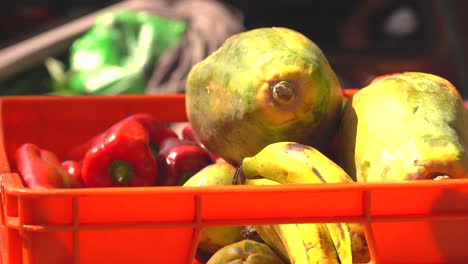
[417, 222]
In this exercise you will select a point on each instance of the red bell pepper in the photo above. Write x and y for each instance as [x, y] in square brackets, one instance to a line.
[41, 169]
[120, 156]
[178, 160]
[73, 167]
[156, 129]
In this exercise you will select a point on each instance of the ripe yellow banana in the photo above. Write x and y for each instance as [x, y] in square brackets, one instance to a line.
[213, 238]
[269, 235]
[293, 163]
[298, 243]
[268, 232]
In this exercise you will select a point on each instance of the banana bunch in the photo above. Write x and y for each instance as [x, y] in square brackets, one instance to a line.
[294, 163]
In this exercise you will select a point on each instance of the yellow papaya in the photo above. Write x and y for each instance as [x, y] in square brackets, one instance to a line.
[405, 126]
[263, 86]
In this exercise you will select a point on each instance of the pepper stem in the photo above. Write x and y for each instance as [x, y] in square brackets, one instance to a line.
[121, 171]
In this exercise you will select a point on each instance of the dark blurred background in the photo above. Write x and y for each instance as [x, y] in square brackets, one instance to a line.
[362, 39]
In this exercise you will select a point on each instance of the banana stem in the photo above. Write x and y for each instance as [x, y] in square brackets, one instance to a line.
[239, 177]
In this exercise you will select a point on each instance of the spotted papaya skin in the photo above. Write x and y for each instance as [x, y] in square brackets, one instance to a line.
[262, 86]
[406, 126]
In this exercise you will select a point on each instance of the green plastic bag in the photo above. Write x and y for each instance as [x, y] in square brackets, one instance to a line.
[116, 55]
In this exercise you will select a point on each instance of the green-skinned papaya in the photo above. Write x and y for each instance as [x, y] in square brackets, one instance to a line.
[405, 126]
[263, 86]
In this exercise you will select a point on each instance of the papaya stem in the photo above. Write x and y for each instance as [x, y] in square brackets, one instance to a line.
[284, 93]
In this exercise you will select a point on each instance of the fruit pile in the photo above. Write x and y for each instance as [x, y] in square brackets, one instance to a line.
[268, 103]
[266, 108]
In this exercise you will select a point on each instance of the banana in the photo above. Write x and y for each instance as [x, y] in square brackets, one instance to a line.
[270, 236]
[294, 163]
[268, 232]
[318, 243]
[298, 243]
[213, 238]
[340, 234]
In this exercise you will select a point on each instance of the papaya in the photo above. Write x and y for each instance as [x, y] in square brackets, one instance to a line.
[262, 86]
[402, 127]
